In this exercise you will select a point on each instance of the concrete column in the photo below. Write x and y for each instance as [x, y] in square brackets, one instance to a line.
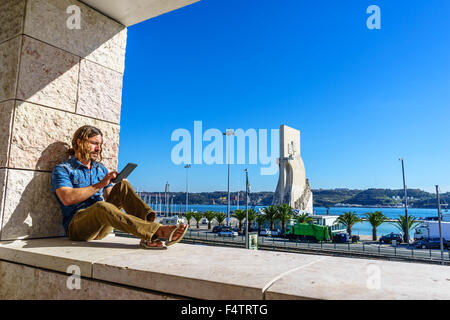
[53, 79]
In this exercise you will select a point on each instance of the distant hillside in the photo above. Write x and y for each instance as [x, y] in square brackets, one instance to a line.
[322, 198]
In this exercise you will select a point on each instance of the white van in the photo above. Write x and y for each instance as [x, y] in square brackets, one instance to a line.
[172, 220]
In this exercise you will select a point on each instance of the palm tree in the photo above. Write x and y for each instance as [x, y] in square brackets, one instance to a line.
[209, 215]
[240, 215]
[284, 213]
[303, 218]
[189, 215]
[375, 219]
[197, 217]
[220, 217]
[271, 214]
[401, 224]
[260, 219]
[251, 217]
[348, 219]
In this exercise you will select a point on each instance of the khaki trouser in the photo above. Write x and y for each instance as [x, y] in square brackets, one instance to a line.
[98, 220]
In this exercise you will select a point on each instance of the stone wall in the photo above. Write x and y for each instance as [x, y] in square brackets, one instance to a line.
[52, 81]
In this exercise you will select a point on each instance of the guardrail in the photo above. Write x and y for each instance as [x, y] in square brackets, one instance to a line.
[361, 250]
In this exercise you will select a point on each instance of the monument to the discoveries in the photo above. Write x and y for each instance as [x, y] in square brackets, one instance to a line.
[293, 187]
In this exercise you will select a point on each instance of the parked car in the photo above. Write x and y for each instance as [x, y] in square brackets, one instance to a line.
[275, 232]
[227, 233]
[428, 243]
[392, 236]
[204, 221]
[265, 232]
[340, 237]
[217, 229]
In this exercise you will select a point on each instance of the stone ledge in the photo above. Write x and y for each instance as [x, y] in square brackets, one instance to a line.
[205, 272]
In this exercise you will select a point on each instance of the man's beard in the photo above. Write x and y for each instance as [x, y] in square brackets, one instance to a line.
[94, 156]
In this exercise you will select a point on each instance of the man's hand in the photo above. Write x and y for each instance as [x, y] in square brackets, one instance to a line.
[107, 179]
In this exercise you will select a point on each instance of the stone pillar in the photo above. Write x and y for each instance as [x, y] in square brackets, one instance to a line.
[52, 80]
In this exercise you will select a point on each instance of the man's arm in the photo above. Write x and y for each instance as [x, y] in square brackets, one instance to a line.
[70, 196]
[106, 192]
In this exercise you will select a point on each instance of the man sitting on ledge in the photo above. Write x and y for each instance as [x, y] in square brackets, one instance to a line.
[81, 182]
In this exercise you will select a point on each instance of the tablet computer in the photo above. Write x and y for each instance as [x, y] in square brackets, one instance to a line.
[125, 172]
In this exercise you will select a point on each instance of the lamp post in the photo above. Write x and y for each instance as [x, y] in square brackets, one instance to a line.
[440, 225]
[187, 193]
[167, 199]
[247, 193]
[406, 204]
[228, 133]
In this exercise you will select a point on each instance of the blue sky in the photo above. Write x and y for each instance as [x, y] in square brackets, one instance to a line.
[361, 98]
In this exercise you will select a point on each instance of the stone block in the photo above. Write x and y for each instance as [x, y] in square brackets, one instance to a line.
[336, 278]
[48, 76]
[9, 67]
[30, 208]
[58, 254]
[6, 115]
[2, 194]
[100, 92]
[99, 39]
[41, 137]
[12, 18]
[199, 272]
[21, 282]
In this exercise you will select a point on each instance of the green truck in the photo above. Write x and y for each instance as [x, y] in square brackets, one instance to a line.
[312, 232]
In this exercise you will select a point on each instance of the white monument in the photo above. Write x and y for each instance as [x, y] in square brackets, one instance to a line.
[293, 187]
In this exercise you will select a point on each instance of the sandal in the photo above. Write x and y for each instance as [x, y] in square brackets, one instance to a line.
[154, 245]
[170, 241]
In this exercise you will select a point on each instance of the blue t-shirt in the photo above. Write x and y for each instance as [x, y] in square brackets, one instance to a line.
[73, 174]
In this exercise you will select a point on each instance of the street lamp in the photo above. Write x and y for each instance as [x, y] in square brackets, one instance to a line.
[406, 204]
[247, 194]
[229, 132]
[187, 197]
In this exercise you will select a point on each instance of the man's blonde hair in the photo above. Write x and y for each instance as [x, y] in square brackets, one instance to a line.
[82, 148]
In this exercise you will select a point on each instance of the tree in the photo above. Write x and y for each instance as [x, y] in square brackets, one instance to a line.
[348, 219]
[271, 214]
[251, 217]
[375, 219]
[197, 217]
[189, 215]
[303, 218]
[260, 219]
[402, 224]
[284, 213]
[220, 217]
[209, 215]
[240, 216]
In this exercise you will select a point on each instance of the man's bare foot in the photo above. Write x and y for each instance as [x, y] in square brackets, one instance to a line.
[156, 245]
[164, 232]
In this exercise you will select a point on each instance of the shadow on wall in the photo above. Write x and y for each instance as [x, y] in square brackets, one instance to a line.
[32, 211]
